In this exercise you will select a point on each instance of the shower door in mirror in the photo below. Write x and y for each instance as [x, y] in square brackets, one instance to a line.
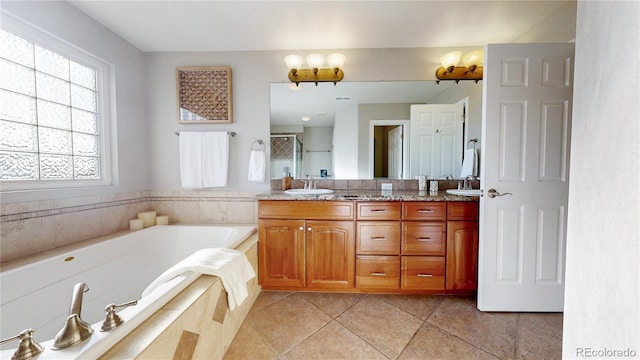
[286, 156]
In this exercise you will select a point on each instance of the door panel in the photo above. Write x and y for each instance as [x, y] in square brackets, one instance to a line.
[526, 137]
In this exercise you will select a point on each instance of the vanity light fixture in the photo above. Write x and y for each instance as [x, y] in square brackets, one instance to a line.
[315, 72]
[450, 69]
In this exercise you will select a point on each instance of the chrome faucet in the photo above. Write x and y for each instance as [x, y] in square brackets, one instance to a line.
[310, 183]
[28, 348]
[75, 329]
[467, 182]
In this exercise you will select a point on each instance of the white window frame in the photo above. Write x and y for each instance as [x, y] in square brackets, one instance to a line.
[104, 86]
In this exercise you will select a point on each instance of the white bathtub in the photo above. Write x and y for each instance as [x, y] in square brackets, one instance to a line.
[38, 295]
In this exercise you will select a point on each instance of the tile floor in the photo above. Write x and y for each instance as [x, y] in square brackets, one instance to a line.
[286, 325]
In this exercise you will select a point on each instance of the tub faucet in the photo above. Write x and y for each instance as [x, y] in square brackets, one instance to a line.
[75, 329]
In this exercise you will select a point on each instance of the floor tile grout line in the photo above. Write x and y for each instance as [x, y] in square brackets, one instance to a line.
[515, 345]
[246, 323]
[363, 339]
[458, 337]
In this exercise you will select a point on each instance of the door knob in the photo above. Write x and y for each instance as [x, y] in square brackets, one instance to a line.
[493, 193]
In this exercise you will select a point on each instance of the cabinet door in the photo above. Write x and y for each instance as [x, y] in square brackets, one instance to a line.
[462, 255]
[330, 254]
[281, 253]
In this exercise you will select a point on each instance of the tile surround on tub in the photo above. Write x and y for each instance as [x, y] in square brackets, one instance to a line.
[32, 227]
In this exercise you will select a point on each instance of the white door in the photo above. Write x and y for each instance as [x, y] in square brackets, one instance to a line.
[436, 140]
[394, 151]
[526, 140]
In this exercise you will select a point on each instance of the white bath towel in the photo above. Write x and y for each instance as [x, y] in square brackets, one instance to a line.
[231, 266]
[256, 166]
[215, 158]
[470, 163]
[191, 159]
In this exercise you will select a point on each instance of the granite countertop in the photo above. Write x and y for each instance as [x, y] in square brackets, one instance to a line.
[368, 195]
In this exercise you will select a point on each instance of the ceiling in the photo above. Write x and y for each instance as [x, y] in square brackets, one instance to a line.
[177, 25]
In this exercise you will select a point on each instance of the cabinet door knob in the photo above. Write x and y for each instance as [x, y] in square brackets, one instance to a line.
[309, 228]
[301, 228]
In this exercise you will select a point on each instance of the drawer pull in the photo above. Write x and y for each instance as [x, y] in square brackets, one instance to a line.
[425, 211]
[378, 210]
[378, 238]
[378, 274]
[424, 275]
[425, 239]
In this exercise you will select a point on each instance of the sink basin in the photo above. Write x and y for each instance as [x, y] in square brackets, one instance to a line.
[308, 191]
[471, 192]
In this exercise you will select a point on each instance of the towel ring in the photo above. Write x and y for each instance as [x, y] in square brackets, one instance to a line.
[260, 144]
[474, 141]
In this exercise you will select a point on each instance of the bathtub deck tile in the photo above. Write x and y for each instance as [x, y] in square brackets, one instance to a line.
[186, 346]
[221, 308]
[143, 336]
[190, 294]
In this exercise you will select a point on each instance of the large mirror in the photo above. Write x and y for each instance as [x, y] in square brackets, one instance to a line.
[368, 130]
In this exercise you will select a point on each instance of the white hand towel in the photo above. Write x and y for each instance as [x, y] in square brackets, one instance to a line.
[256, 166]
[470, 163]
[191, 159]
[215, 158]
[231, 266]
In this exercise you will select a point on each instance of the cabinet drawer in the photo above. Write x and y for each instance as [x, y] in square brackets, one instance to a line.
[377, 272]
[423, 272]
[424, 238]
[424, 210]
[316, 210]
[463, 210]
[378, 210]
[378, 237]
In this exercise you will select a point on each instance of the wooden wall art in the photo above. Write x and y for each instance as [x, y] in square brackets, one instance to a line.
[204, 94]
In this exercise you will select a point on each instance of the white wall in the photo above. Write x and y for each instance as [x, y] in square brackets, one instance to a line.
[66, 22]
[602, 308]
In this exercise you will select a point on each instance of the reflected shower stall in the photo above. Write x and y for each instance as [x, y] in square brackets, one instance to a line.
[286, 155]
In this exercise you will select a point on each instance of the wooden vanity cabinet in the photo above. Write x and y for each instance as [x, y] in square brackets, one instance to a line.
[378, 245]
[368, 246]
[281, 253]
[462, 246]
[306, 244]
[423, 245]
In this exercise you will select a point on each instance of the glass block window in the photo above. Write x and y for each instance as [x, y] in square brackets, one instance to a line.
[50, 117]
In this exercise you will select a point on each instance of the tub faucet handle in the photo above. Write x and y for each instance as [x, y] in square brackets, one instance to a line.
[112, 320]
[28, 348]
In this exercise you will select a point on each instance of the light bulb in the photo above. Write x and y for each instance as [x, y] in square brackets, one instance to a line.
[450, 60]
[473, 59]
[294, 62]
[336, 60]
[315, 61]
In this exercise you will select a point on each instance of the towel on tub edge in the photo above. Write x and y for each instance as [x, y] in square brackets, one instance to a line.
[231, 266]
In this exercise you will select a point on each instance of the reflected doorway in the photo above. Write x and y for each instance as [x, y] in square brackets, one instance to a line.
[388, 149]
